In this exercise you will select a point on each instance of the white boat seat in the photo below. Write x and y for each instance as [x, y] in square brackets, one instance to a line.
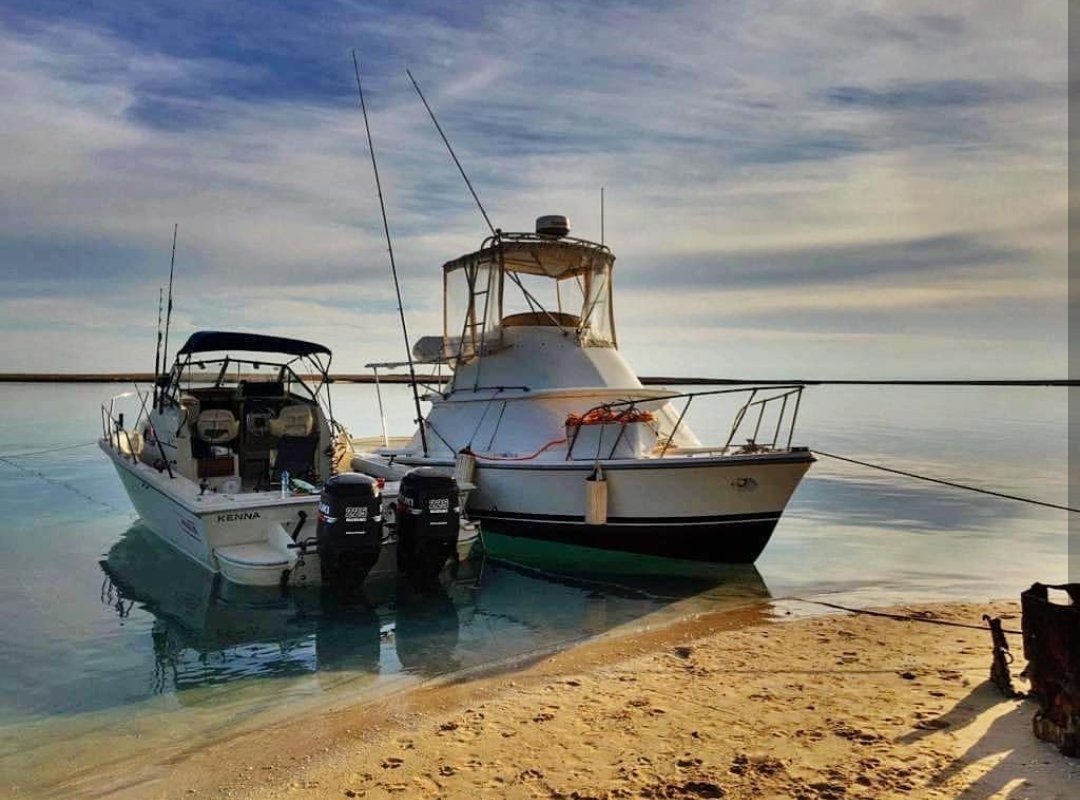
[217, 426]
[298, 420]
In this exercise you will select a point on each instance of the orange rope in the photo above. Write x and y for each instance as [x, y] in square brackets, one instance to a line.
[604, 416]
[552, 443]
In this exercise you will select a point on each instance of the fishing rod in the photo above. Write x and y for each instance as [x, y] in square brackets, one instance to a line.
[494, 231]
[168, 313]
[393, 266]
[446, 141]
[157, 354]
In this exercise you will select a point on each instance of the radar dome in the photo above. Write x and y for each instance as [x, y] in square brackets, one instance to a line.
[553, 225]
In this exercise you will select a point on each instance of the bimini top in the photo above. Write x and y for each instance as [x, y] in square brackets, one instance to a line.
[217, 341]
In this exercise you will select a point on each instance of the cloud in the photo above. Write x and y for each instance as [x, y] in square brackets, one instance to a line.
[763, 150]
[796, 267]
[931, 95]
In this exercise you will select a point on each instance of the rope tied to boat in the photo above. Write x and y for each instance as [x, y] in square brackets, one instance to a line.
[900, 617]
[36, 473]
[530, 457]
[46, 451]
[952, 484]
[491, 457]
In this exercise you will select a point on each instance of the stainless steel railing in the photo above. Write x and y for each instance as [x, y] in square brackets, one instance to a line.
[776, 408]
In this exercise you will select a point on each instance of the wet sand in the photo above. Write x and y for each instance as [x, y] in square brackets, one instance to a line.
[731, 705]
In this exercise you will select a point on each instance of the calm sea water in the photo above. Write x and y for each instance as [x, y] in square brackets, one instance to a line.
[111, 643]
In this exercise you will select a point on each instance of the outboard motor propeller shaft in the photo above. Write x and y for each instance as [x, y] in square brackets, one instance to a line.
[350, 530]
[428, 518]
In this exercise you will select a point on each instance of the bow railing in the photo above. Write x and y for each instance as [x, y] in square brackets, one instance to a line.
[771, 410]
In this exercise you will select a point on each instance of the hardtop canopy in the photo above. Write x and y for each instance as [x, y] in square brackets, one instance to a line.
[533, 254]
[477, 299]
[219, 341]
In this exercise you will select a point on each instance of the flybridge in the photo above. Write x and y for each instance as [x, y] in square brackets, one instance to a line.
[560, 281]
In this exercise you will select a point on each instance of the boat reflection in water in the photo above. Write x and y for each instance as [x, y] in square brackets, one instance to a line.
[206, 631]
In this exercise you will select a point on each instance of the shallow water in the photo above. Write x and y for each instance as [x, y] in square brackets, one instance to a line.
[112, 643]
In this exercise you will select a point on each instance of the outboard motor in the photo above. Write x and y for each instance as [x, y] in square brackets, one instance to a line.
[428, 517]
[350, 531]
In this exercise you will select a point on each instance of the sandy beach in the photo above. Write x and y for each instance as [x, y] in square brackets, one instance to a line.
[732, 705]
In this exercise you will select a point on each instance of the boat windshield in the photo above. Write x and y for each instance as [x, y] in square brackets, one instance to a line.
[519, 279]
[247, 375]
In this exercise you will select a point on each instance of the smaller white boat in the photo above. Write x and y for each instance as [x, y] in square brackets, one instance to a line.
[237, 462]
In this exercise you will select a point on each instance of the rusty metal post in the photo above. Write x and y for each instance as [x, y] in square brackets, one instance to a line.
[1052, 648]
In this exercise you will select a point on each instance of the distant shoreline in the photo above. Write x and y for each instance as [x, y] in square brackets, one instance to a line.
[148, 377]
[367, 377]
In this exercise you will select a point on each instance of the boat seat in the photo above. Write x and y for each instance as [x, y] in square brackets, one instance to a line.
[217, 426]
[295, 421]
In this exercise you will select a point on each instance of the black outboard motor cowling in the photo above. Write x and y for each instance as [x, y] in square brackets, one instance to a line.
[428, 517]
[350, 531]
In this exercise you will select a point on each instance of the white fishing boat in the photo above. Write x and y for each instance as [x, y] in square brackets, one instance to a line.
[558, 440]
[235, 459]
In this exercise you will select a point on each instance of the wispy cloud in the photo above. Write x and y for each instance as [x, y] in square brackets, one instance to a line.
[765, 150]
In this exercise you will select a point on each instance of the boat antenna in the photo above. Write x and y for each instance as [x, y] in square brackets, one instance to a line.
[390, 250]
[601, 215]
[452, 154]
[157, 353]
[168, 312]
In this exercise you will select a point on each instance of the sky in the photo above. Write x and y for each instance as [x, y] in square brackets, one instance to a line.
[793, 190]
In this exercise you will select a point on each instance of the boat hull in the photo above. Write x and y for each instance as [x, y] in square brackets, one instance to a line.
[244, 539]
[731, 540]
[198, 525]
[720, 509]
